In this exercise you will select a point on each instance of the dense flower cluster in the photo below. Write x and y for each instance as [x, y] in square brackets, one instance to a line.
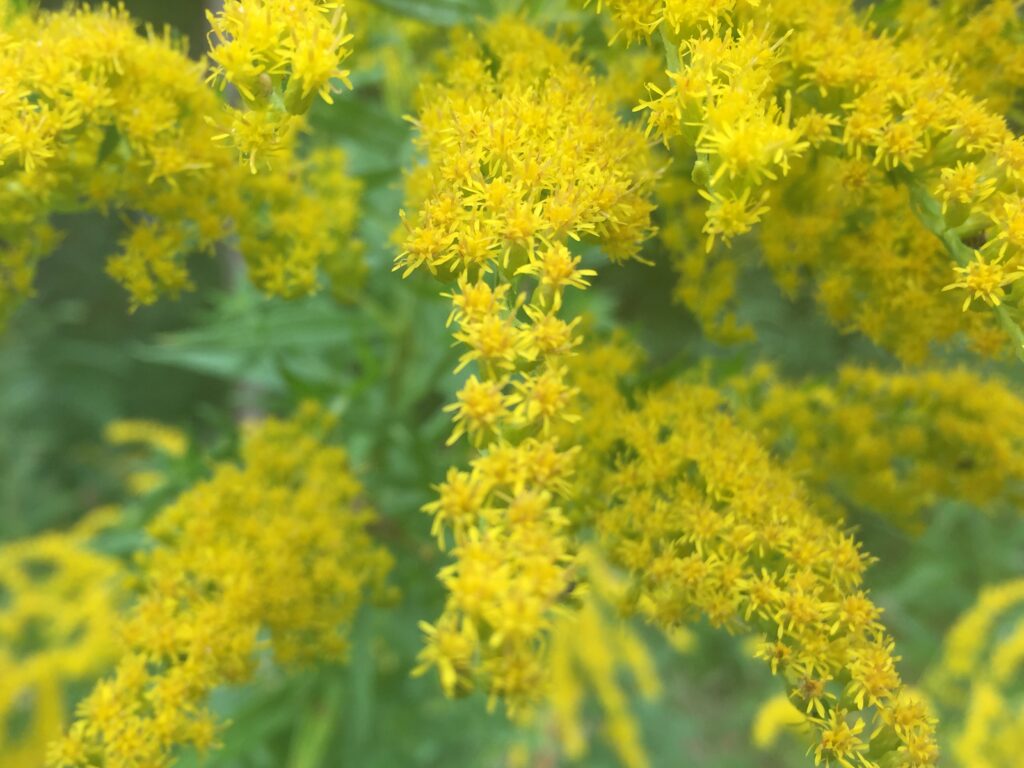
[980, 675]
[876, 269]
[94, 116]
[57, 627]
[498, 210]
[705, 523]
[302, 228]
[975, 683]
[279, 55]
[277, 543]
[895, 443]
[757, 89]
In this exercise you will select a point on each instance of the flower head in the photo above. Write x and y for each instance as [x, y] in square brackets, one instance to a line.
[983, 279]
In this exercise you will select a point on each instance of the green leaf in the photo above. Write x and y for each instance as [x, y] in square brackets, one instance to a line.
[251, 338]
[313, 731]
[111, 138]
[443, 13]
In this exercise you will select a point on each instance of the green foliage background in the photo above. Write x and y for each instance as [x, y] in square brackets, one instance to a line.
[74, 359]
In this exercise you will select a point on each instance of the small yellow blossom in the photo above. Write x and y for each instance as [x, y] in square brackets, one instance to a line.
[964, 184]
[984, 279]
[729, 217]
[841, 743]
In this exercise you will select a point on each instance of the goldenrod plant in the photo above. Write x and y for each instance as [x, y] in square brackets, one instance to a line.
[511, 383]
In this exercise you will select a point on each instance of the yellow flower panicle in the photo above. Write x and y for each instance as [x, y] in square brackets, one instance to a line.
[847, 238]
[979, 677]
[58, 615]
[525, 158]
[697, 513]
[280, 55]
[895, 443]
[721, 102]
[276, 543]
[97, 117]
[773, 104]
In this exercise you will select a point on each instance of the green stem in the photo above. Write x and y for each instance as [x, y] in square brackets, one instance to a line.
[671, 50]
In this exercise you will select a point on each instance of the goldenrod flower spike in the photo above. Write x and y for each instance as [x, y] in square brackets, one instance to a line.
[706, 524]
[525, 156]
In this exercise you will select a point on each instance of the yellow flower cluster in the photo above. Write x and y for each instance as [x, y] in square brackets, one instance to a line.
[980, 40]
[895, 443]
[847, 238]
[303, 219]
[58, 616]
[96, 117]
[755, 89]
[525, 159]
[872, 266]
[277, 543]
[279, 55]
[696, 512]
[981, 678]
[640, 19]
